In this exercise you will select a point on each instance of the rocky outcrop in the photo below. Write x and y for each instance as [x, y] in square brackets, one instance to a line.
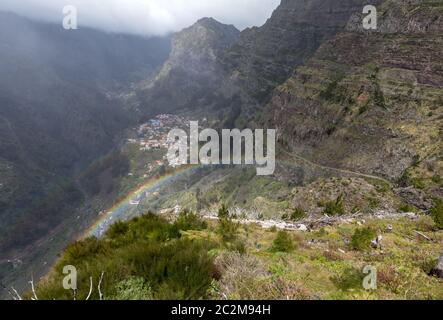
[192, 74]
[414, 197]
[404, 17]
[438, 270]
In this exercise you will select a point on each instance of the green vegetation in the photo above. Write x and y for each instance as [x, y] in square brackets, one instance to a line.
[406, 208]
[227, 228]
[361, 239]
[298, 214]
[418, 183]
[188, 220]
[134, 288]
[283, 243]
[335, 207]
[151, 258]
[350, 278]
[146, 258]
[437, 179]
[437, 213]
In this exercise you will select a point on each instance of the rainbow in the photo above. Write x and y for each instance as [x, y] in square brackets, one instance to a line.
[119, 210]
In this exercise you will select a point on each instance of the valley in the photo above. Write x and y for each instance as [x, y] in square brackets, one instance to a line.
[359, 156]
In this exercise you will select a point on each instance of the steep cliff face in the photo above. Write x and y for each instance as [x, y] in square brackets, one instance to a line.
[265, 57]
[370, 101]
[192, 74]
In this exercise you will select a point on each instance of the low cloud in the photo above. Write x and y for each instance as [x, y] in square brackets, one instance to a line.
[146, 17]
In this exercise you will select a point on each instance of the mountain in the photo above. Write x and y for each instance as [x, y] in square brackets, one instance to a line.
[59, 110]
[341, 97]
[358, 115]
[370, 101]
[346, 102]
[192, 73]
[265, 57]
[235, 78]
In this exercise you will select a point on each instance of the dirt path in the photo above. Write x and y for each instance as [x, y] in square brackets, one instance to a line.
[359, 174]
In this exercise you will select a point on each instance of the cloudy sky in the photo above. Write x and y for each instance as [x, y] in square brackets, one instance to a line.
[146, 17]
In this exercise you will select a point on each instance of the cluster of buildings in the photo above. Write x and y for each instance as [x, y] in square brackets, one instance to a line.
[153, 134]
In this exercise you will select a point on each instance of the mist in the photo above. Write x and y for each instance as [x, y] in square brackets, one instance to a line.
[146, 17]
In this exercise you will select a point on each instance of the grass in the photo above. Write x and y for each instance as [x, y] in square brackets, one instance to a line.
[335, 207]
[437, 213]
[361, 239]
[283, 243]
[296, 215]
[151, 258]
[145, 257]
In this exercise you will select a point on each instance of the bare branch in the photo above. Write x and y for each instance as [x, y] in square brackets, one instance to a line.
[90, 288]
[99, 286]
[33, 288]
[16, 293]
[423, 235]
[9, 291]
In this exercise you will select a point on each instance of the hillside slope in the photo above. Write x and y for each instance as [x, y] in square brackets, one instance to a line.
[370, 101]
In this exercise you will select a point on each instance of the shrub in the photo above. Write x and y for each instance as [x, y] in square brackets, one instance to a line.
[134, 288]
[350, 278]
[416, 161]
[406, 208]
[437, 213]
[117, 230]
[189, 221]
[237, 246]
[418, 183]
[247, 278]
[298, 214]
[227, 228]
[335, 208]
[361, 239]
[404, 180]
[82, 250]
[149, 261]
[436, 179]
[283, 243]
[389, 278]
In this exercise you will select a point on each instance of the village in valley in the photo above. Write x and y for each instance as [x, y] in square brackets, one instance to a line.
[153, 136]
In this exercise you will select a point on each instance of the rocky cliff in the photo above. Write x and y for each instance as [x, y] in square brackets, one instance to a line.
[370, 101]
[192, 74]
[265, 57]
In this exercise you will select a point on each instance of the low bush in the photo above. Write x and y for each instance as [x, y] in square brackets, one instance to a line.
[437, 213]
[227, 228]
[298, 214]
[134, 288]
[406, 208]
[436, 179]
[350, 278]
[189, 221]
[145, 258]
[361, 239]
[283, 243]
[335, 207]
